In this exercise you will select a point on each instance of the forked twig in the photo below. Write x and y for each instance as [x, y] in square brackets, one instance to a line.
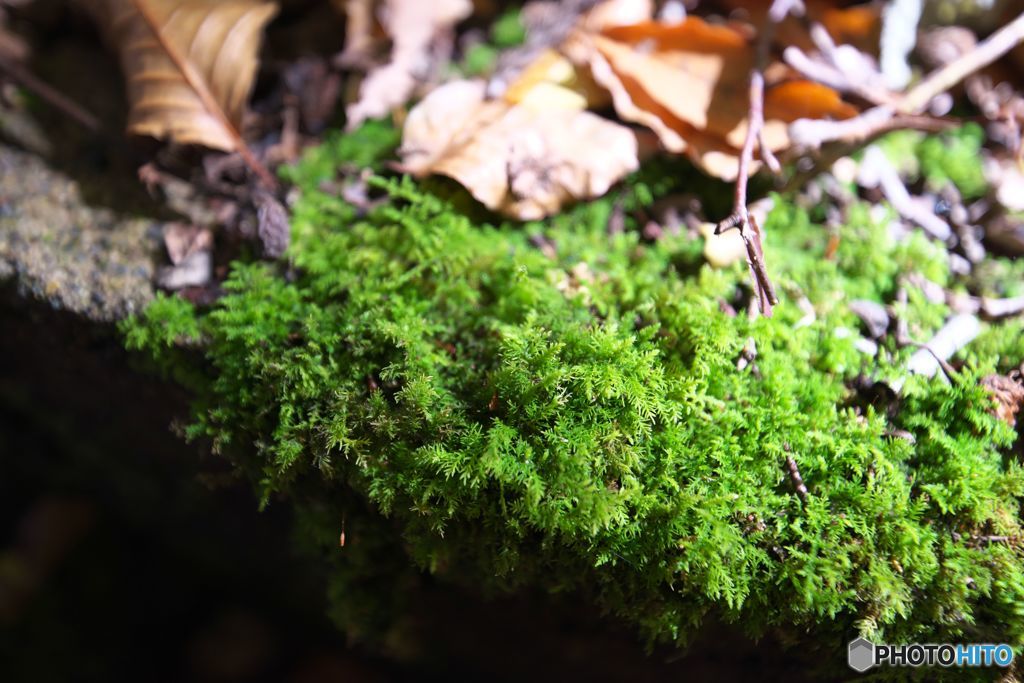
[740, 217]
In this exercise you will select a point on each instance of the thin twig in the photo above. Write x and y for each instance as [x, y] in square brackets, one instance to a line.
[957, 333]
[840, 67]
[877, 171]
[49, 94]
[818, 132]
[814, 133]
[740, 217]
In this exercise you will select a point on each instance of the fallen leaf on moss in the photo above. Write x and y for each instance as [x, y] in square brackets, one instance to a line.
[689, 83]
[189, 65]
[524, 159]
[414, 27]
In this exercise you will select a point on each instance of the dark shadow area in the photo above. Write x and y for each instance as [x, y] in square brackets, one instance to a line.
[116, 562]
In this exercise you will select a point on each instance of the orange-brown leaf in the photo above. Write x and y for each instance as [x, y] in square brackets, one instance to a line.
[695, 71]
[689, 82]
[859, 25]
[802, 99]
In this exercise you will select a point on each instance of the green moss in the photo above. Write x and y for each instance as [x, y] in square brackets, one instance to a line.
[953, 157]
[506, 419]
[506, 32]
[479, 60]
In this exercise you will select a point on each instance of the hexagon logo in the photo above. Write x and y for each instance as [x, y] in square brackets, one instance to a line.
[861, 655]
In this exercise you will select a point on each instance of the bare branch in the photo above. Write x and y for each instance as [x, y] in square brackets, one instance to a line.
[905, 113]
[877, 171]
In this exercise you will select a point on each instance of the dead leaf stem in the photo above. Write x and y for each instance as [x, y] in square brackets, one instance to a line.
[202, 90]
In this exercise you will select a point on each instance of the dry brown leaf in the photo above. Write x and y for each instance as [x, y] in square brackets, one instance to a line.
[182, 240]
[414, 27]
[523, 159]
[689, 83]
[1008, 394]
[189, 64]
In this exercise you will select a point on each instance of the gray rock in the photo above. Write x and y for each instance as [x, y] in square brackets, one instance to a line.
[59, 249]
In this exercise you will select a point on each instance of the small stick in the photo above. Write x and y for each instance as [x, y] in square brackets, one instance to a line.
[957, 333]
[993, 539]
[798, 481]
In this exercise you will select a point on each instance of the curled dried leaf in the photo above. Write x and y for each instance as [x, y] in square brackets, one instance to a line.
[273, 226]
[1009, 397]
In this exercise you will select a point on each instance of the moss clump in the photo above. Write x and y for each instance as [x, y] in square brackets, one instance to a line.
[952, 157]
[577, 419]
